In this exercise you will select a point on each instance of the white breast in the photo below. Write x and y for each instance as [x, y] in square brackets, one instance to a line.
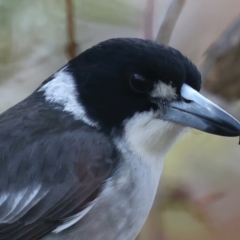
[123, 206]
[121, 209]
[129, 195]
[137, 182]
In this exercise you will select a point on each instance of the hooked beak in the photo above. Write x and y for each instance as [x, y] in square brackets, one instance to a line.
[198, 112]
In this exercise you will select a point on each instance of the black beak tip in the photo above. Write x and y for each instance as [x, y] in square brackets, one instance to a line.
[228, 129]
[222, 132]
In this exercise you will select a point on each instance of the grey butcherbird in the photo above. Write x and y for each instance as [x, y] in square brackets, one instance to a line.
[81, 157]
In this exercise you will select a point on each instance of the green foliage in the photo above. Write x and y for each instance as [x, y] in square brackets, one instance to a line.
[38, 27]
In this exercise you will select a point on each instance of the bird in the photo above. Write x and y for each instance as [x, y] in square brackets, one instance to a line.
[82, 156]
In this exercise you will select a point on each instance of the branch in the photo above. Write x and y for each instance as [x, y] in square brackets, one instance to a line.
[71, 45]
[220, 70]
[169, 21]
[148, 23]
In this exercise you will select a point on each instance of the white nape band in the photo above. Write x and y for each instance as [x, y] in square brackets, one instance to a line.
[62, 90]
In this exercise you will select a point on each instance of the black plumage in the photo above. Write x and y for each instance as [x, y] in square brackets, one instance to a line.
[102, 76]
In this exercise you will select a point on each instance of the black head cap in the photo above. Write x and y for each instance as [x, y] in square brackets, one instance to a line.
[103, 75]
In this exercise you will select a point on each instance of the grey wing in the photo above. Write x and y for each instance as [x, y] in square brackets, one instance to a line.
[55, 185]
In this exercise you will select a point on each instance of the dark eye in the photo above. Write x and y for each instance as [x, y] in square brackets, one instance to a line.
[139, 83]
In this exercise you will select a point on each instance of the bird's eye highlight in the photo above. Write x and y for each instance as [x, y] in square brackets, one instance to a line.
[139, 83]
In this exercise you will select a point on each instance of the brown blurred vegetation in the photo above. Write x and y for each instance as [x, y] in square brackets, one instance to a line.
[198, 194]
[221, 67]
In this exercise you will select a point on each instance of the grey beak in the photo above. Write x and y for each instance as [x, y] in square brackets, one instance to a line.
[198, 112]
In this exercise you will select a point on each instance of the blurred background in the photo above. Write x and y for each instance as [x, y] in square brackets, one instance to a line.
[199, 193]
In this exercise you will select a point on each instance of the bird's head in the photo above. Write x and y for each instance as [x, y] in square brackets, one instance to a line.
[140, 85]
[120, 78]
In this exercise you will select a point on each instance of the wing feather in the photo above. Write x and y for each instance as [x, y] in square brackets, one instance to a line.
[49, 177]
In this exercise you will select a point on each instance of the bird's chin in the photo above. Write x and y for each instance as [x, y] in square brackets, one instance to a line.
[173, 133]
[146, 132]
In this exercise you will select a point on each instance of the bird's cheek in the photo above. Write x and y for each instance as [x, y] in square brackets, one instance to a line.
[146, 133]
